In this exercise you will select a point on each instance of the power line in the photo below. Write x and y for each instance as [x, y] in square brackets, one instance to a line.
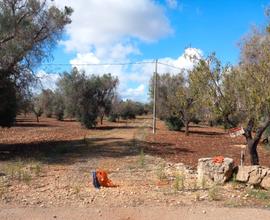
[169, 65]
[98, 64]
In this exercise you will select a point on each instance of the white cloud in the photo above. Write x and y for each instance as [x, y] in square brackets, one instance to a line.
[98, 23]
[172, 4]
[48, 81]
[137, 93]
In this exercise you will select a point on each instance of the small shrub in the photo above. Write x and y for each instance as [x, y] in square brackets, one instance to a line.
[88, 120]
[113, 117]
[214, 193]
[179, 182]
[142, 158]
[161, 172]
[174, 123]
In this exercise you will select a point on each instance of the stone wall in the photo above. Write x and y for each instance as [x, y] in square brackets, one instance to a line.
[254, 175]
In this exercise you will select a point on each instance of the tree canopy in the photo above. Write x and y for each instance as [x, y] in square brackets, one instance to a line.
[28, 32]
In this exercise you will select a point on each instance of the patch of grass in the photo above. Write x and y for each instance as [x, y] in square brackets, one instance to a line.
[142, 158]
[259, 194]
[77, 189]
[23, 170]
[179, 182]
[3, 188]
[13, 170]
[235, 184]
[161, 172]
[203, 183]
[35, 167]
[214, 193]
[25, 177]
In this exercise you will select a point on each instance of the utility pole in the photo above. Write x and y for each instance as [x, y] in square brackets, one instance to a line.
[155, 98]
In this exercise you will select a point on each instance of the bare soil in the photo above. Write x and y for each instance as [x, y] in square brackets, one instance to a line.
[48, 165]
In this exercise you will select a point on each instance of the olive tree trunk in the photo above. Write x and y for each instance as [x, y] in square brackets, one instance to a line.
[252, 142]
[187, 128]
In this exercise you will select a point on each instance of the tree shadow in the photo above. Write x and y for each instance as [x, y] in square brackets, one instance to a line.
[203, 133]
[32, 125]
[109, 127]
[166, 150]
[70, 152]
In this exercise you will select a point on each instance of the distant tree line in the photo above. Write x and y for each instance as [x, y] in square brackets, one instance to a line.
[86, 98]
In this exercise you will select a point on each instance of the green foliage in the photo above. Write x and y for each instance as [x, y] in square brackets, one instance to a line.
[259, 194]
[58, 105]
[113, 117]
[85, 97]
[29, 30]
[47, 102]
[174, 123]
[128, 110]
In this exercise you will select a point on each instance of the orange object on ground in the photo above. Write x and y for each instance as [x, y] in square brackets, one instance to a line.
[218, 159]
[103, 179]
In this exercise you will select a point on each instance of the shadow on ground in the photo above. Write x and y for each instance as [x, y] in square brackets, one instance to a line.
[68, 152]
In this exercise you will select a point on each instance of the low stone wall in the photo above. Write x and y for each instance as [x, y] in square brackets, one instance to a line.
[254, 175]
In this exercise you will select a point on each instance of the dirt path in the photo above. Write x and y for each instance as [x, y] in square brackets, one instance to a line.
[147, 213]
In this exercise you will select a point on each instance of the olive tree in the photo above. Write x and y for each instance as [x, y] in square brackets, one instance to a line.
[28, 32]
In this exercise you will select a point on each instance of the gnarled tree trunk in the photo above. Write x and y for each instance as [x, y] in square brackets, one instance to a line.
[252, 142]
[187, 128]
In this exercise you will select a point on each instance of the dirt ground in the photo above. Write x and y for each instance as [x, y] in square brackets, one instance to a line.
[46, 167]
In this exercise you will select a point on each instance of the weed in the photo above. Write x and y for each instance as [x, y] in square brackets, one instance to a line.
[234, 182]
[142, 158]
[21, 171]
[2, 188]
[25, 177]
[37, 169]
[179, 182]
[14, 169]
[77, 189]
[161, 172]
[259, 194]
[203, 183]
[214, 193]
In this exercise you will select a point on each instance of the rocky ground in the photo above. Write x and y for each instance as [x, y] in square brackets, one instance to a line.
[58, 175]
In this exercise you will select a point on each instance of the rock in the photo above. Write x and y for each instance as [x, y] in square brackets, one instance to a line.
[266, 181]
[243, 173]
[254, 175]
[214, 172]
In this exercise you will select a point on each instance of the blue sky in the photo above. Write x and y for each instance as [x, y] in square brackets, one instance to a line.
[123, 31]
